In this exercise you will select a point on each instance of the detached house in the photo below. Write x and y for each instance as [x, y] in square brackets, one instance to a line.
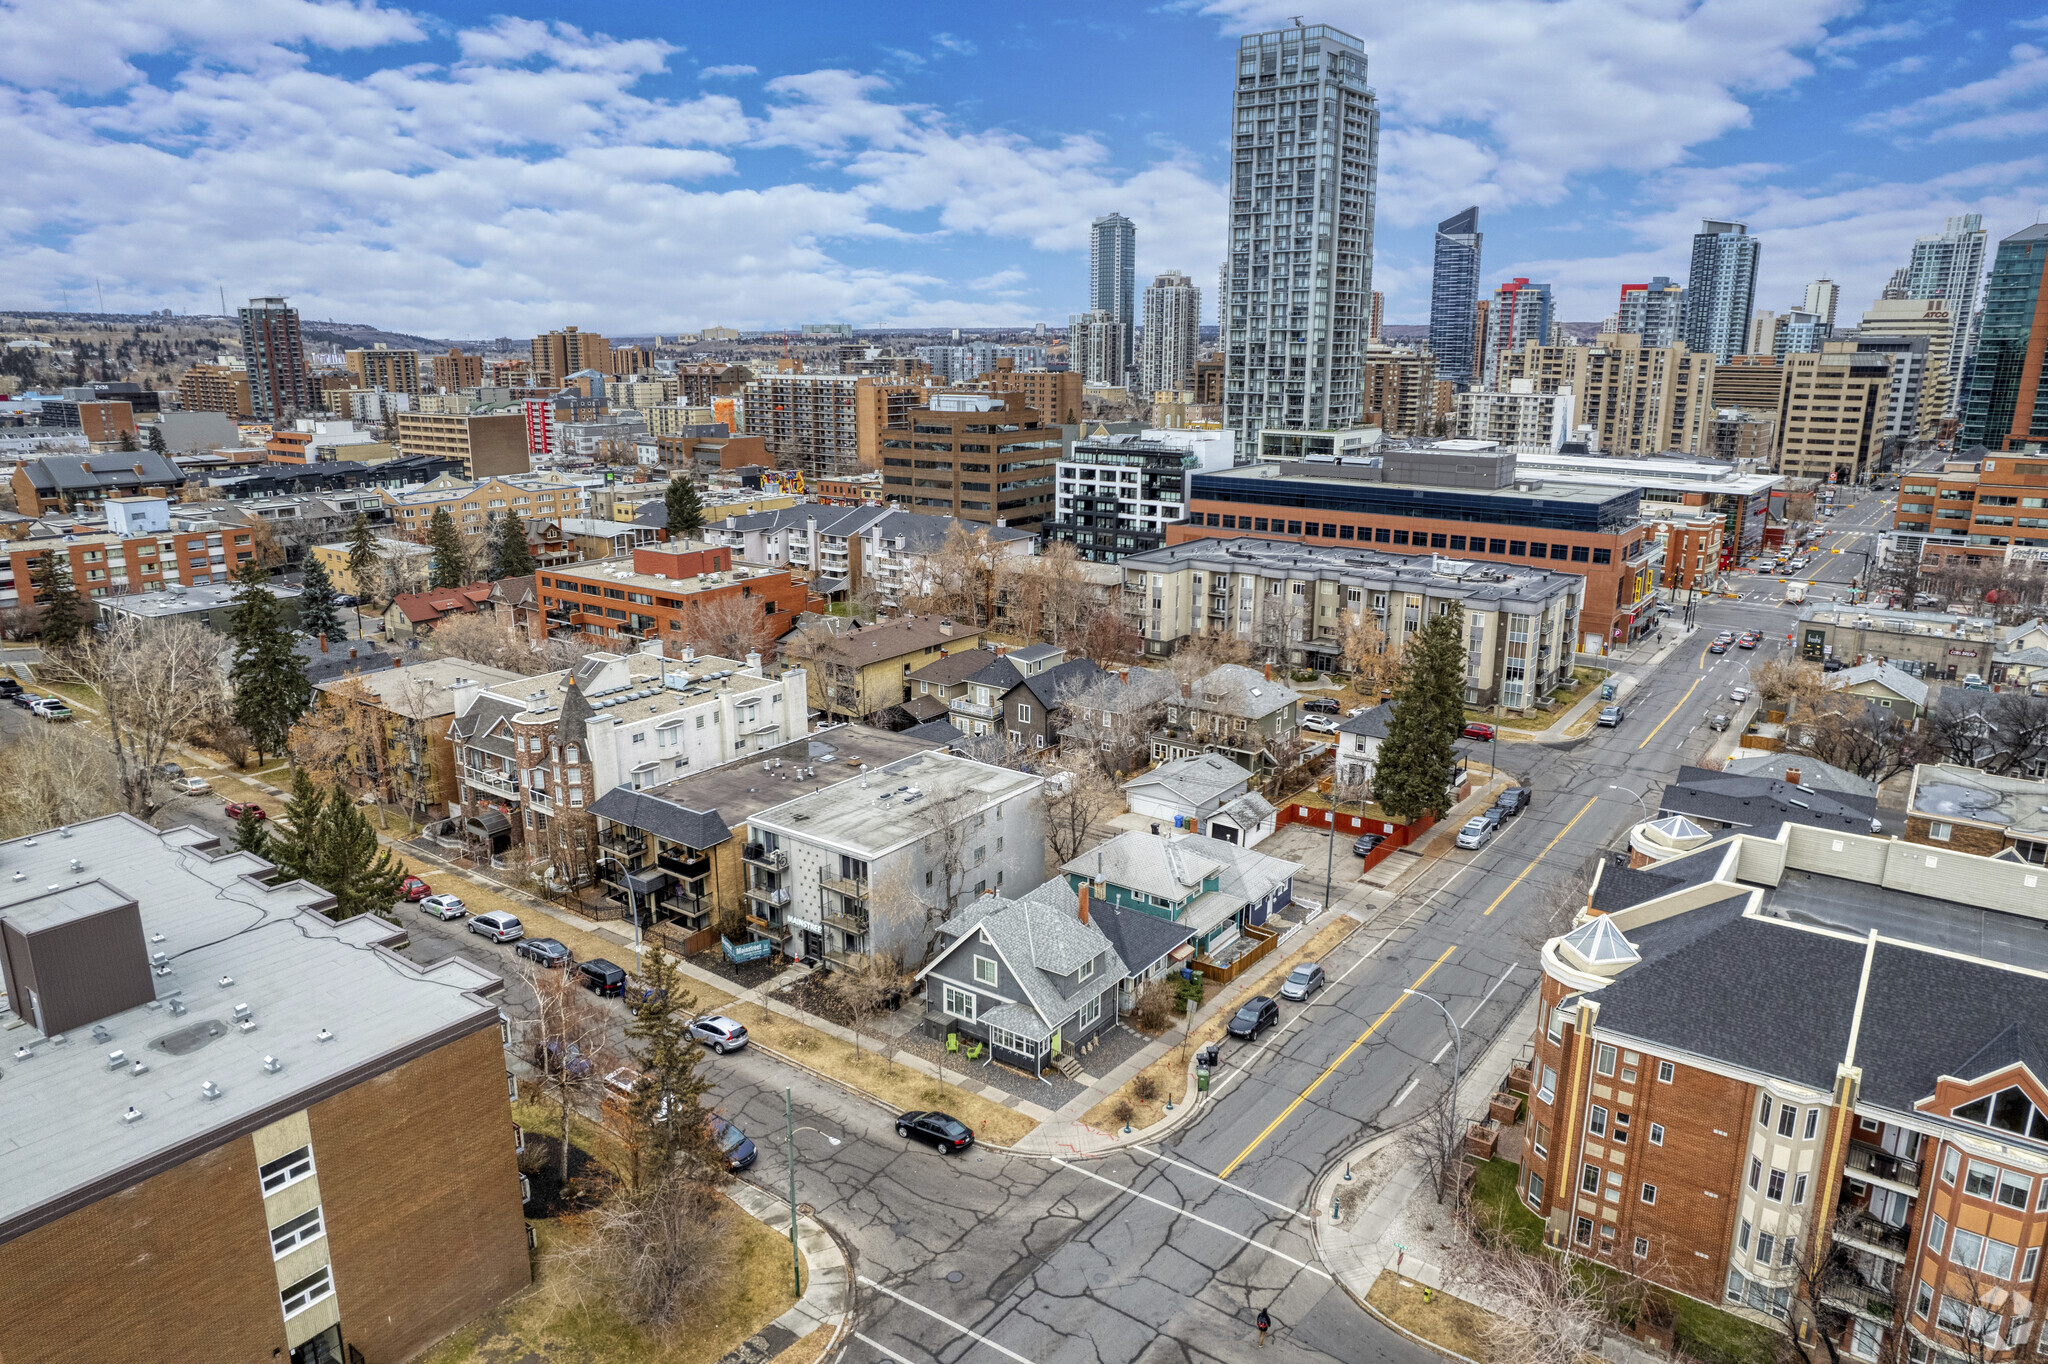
[1232, 709]
[1220, 893]
[1210, 794]
[417, 613]
[1012, 696]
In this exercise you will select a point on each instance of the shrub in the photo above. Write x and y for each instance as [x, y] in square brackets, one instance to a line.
[1123, 1112]
[1145, 1088]
[1154, 1009]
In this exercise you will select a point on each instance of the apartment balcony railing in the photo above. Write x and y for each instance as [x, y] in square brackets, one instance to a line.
[847, 920]
[1870, 1234]
[1869, 1161]
[769, 895]
[493, 782]
[684, 866]
[775, 859]
[852, 887]
[540, 802]
[624, 839]
[978, 711]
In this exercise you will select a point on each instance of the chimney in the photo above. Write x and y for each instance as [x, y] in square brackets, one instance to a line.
[946, 628]
[1084, 902]
[351, 651]
[1791, 776]
[1187, 691]
[1269, 672]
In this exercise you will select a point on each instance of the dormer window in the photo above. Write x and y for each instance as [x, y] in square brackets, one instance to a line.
[2009, 1110]
[1087, 968]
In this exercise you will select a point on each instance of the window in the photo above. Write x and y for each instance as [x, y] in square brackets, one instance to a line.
[295, 1233]
[1548, 1090]
[1541, 1138]
[1812, 1122]
[1923, 1299]
[1621, 1129]
[1788, 1117]
[1766, 1246]
[1756, 1172]
[1665, 1070]
[307, 1291]
[1649, 1193]
[1603, 1059]
[1798, 1189]
[1981, 1180]
[1642, 1247]
[985, 972]
[1656, 1134]
[2031, 1263]
[1023, 714]
[1951, 1161]
[1555, 1030]
[1939, 832]
[1535, 1188]
[1589, 1179]
[1952, 1316]
[1735, 1285]
[1596, 1121]
[1785, 1250]
[959, 1003]
[1936, 1234]
[1763, 1113]
[1742, 1235]
[1582, 1231]
[1965, 1248]
[286, 1170]
[1865, 1339]
[2013, 1189]
[1999, 1258]
[1775, 1190]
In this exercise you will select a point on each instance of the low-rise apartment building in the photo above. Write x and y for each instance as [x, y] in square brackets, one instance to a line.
[1978, 812]
[678, 593]
[215, 1089]
[68, 483]
[1292, 604]
[856, 670]
[1766, 1076]
[486, 443]
[1116, 495]
[112, 563]
[210, 604]
[396, 722]
[852, 549]
[1515, 416]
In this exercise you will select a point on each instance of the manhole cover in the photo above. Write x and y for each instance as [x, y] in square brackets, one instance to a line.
[954, 1276]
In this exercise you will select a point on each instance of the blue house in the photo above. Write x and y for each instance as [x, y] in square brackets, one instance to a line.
[1213, 889]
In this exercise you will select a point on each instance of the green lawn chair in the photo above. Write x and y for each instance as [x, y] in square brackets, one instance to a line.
[952, 1041]
[974, 1052]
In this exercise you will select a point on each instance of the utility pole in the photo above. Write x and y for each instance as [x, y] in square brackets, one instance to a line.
[796, 1264]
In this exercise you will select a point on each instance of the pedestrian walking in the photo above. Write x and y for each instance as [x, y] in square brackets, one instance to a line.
[1265, 1325]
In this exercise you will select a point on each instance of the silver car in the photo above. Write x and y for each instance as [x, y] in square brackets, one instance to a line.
[1478, 831]
[1303, 981]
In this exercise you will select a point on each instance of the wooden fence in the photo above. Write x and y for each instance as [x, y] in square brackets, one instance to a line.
[1223, 975]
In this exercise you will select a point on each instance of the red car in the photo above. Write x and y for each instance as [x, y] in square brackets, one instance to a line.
[1475, 730]
[414, 889]
[236, 809]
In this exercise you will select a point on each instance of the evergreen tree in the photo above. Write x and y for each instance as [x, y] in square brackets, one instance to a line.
[685, 511]
[667, 1106]
[64, 614]
[269, 677]
[156, 439]
[1418, 756]
[128, 440]
[510, 556]
[350, 864]
[251, 836]
[451, 566]
[364, 560]
[318, 614]
[294, 837]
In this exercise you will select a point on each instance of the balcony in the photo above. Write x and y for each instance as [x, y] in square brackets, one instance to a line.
[1872, 1236]
[1855, 1285]
[688, 867]
[772, 895]
[853, 888]
[621, 838]
[774, 859]
[1897, 1172]
[496, 783]
[847, 920]
[979, 712]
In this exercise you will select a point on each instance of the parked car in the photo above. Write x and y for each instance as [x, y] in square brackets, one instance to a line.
[1610, 716]
[412, 888]
[1318, 724]
[50, 708]
[191, 786]
[548, 952]
[942, 1130]
[24, 699]
[498, 926]
[1514, 800]
[1319, 703]
[444, 907]
[637, 995]
[1739, 694]
[719, 1033]
[1303, 981]
[549, 1057]
[1478, 831]
[1475, 730]
[9, 687]
[736, 1145]
[236, 809]
[1258, 1014]
[344, 599]
[605, 979]
[169, 771]
[1719, 722]
[1366, 843]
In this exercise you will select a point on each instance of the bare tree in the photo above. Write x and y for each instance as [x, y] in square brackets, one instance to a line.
[1549, 1312]
[1870, 741]
[1054, 593]
[656, 1254]
[1108, 722]
[572, 1043]
[1203, 654]
[1375, 662]
[1436, 1143]
[337, 739]
[1108, 636]
[863, 986]
[160, 682]
[953, 829]
[58, 774]
[478, 638]
[1077, 793]
[732, 627]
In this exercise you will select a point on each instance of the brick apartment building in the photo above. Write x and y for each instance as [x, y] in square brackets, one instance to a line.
[64, 483]
[984, 458]
[205, 1153]
[395, 371]
[1764, 1078]
[487, 444]
[1053, 394]
[663, 592]
[1466, 504]
[824, 424]
[1692, 554]
[456, 370]
[113, 563]
[1985, 813]
[215, 388]
[557, 355]
[1983, 512]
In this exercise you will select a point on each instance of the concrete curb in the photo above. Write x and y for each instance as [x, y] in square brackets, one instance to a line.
[828, 1289]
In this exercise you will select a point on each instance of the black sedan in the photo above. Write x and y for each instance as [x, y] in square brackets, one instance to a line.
[546, 951]
[1258, 1014]
[1365, 844]
[942, 1130]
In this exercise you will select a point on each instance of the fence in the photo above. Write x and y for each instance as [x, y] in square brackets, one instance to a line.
[1267, 939]
[1312, 809]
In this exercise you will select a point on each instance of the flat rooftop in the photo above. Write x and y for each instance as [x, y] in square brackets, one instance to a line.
[426, 689]
[1858, 907]
[634, 685]
[620, 571]
[1700, 476]
[893, 804]
[1444, 575]
[64, 1142]
[1930, 623]
[176, 601]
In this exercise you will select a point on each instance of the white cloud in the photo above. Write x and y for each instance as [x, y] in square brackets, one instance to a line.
[1977, 109]
[726, 72]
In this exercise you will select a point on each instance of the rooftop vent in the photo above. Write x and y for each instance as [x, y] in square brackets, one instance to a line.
[116, 1059]
[139, 1068]
[133, 1114]
[22, 1053]
[177, 1006]
[323, 1036]
[272, 1064]
[226, 981]
[209, 1090]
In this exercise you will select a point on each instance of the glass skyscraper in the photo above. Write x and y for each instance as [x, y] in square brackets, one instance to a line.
[2007, 406]
[1303, 183]
[1721, 289]
[1113, 282]
[1454, 297]
[1949, 266]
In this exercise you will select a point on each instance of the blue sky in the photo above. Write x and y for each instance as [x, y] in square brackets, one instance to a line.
[465, 170]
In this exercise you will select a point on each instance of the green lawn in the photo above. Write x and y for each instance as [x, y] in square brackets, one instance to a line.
[1495, 1192]
[1715, 1337]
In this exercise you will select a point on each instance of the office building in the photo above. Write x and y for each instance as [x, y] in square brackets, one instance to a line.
[1676, 488]
[1113, 286]
[557, 355]
[1913, 406]
[396, 371]
[274, 358]
[1515, 415]
[1117, 494]
[1950, 267]
[216, 388]
[1173, 335]
[1821, 297]
[1753, 383]
[1927, 319]
[486, 444]
[982, 457]
[1831, 424]
[1519, 316]
[208, 1101]
[1763, 333]
[1454, 295]
[1799, 332]
[1400, 390]
[1720, 289]
[2007, 408]
[1631, 399]
[1054, 395]
[1096, 343]
[1303, 187]
[1985, 512]
[456, 370]
[1654, 311]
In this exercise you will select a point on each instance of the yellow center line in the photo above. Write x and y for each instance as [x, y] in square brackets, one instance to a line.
[1674, 710]
[1539, 857]
[1330, 1069]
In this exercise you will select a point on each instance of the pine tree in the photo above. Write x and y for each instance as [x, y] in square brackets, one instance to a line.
[364, 559]
[128, 441]
[350, 864]
[318, 614]
[64, 614]
[685, 511]
[1418, 757]
[451, 566]
[269, 677]
[667, 1106]
[294, 837]
[251, 836]
[156, 439]
[510, 556]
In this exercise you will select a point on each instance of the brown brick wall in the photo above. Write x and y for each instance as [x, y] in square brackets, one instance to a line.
[1964, 838]
[421, 1191]
[174, 1269]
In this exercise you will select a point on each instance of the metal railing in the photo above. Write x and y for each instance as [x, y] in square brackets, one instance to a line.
[852, 887]
[776, 859]
[1868, 1233]
[774, 895]
[1878, 1164]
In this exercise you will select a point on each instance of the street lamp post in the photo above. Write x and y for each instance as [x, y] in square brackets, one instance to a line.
[1457, 1043]
[796, 1270]
[1639, 800]
[1330, 859]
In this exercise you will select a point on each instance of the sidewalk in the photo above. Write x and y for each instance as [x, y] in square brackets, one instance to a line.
[1625, 672]
[828, 1280]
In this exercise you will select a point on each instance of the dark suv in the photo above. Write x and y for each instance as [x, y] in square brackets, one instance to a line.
[1258, 1014]
[1319, 703]
[1513, 801]
[603, 978]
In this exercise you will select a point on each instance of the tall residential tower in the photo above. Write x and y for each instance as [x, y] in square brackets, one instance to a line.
[1303, 184]
[1950, 266]
[1454, 295]
[2007, 405]
[1173, 332]
[275, 357]
[1720, 289]
[1113, 280]
[1653, 311]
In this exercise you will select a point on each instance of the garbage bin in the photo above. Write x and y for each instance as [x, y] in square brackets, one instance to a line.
[1202, 1079]
[1209, 1057]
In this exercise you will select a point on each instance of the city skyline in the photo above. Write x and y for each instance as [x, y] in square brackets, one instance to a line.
[408, 167]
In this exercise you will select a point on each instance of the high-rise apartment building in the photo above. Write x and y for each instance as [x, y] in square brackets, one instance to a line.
[1515, 415]
[215, 388]
[456, 370]
[1400, 385]
[1096, 345]
[1763, 333]
[1831, 426]
[1054, 395]
[1303, 184]
[1520, 315]
[1653, 311]
[1949, 267]
[1632, 399]
[1896, 286]
[1720, 289]
[1377, 320]
[1173, 334]
[2007, 407]
[394, 371]
[1799, 332]
[1454, 295]
[1821, 297]
[274, 356]
[557, 355]
[1113, 281]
